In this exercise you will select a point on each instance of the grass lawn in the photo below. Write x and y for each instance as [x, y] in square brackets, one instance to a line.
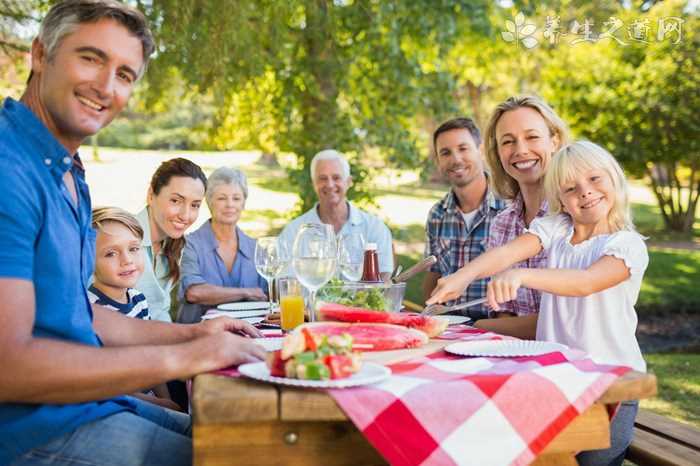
[678, 377]
[671, 282]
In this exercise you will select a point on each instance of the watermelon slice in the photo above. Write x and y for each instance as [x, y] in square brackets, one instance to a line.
[431, 325]
[370, 336]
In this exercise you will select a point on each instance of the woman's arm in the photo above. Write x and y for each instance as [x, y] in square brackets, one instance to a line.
[204, 293]
[116, 329]
[487, 264]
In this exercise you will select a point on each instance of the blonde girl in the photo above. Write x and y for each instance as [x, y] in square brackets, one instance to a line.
[596, 261]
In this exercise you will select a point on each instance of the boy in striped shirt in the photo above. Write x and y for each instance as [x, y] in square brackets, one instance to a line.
[118, 266]
[118, 262]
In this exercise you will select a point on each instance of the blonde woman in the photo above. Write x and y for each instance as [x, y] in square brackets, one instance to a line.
[596, 261]
[521, 136]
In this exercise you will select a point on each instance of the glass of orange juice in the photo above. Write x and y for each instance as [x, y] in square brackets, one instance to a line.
[291, 303]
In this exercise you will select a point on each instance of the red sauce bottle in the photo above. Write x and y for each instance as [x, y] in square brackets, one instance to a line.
[370, 266]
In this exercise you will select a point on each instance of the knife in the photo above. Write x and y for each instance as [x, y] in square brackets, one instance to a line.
[421, 266]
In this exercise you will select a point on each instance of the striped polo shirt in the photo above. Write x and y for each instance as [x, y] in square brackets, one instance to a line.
[136, 307]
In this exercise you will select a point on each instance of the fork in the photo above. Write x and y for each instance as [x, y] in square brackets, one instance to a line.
[437, 309]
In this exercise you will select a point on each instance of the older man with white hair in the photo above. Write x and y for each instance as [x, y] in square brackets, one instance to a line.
[330, 174]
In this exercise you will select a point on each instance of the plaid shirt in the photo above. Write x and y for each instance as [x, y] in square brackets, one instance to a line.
[508, 225]
[454, 243]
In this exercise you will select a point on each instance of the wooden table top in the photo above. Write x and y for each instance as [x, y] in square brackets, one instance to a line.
[225, 400]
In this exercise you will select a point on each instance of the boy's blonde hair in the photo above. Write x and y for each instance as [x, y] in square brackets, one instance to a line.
[581, 156]
[102, 215]
[502, 183]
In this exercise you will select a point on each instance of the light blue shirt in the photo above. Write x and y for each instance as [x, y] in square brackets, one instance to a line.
[373, 230]
[47, 240]
[154, 282]
[201, 263]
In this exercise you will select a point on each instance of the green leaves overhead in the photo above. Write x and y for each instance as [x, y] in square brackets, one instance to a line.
[304, 75]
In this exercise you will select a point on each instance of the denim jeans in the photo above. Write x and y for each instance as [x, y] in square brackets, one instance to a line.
[153, 436]
[621, 431]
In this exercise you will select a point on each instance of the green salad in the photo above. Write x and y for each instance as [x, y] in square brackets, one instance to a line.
[367, 298]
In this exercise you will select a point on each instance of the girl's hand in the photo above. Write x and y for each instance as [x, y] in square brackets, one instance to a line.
[448, 288]
[503, 287]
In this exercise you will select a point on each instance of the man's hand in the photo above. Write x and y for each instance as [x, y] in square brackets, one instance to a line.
[504, 287]
[226, 324]
[224, 349]
[448, 288]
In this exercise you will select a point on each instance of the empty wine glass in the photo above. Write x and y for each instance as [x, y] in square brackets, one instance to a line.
[351, 251]
[269, 260]
[314, 258]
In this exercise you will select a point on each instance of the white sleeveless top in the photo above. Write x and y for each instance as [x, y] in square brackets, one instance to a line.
[603, 324]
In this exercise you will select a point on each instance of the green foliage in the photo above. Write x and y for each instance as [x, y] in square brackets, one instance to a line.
[179, 117]
[678, 378]
[305, 75]
[640, 102]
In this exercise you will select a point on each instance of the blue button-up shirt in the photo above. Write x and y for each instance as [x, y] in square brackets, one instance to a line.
[201, 263]
[46, 239]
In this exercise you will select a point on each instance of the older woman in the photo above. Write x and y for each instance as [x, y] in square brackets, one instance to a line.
[218, 263]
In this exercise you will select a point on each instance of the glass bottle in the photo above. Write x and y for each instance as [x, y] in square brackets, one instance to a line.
[370, 266]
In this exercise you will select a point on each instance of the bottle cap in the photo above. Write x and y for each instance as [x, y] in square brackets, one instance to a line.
[371, 247]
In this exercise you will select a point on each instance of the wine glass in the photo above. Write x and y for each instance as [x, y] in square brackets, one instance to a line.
[314, 258]
[351, 252]
[269, 260]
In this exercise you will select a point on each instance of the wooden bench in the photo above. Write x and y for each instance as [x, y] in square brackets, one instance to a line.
[660, 441]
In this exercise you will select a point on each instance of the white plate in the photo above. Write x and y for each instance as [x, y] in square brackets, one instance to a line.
[244, 306]
[253, 320]
[454, 320]
[250, 320]
[368, 374]
[271, 343]
[235, 314]
[504, 348]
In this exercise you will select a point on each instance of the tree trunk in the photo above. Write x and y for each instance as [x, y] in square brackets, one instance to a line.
[668, 189]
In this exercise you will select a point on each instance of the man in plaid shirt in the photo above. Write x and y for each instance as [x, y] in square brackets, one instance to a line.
[458, 226]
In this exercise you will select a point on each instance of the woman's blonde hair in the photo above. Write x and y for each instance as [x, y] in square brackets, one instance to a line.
[102, 215]
[581, 156]
[502, 183]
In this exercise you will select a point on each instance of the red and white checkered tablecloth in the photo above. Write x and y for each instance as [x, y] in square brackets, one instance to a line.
[449, 410]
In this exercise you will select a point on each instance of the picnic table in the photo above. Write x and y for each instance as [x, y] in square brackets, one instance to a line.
[241, 421]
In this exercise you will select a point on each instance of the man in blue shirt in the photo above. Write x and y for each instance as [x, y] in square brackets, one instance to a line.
[65, 366]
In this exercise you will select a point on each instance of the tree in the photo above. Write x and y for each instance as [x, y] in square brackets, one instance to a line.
[343, 74]
[641, 101]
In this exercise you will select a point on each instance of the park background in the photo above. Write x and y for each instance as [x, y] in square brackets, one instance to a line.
[263, 85]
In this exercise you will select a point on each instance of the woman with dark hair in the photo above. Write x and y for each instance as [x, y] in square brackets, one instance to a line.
[173, 201]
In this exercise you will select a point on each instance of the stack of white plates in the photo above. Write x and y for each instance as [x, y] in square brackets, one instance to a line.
[252, 311]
